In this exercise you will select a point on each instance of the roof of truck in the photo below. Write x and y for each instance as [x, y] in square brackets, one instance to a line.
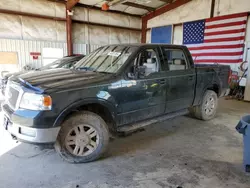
[142, 44]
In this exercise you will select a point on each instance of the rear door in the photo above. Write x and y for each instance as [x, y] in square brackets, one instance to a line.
[180, 93]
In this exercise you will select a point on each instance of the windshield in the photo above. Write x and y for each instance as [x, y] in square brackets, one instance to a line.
[108, 59]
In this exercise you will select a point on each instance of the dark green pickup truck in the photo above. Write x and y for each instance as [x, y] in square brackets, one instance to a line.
[116, 88]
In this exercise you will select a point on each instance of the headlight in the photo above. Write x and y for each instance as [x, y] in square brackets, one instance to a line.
[34, 101]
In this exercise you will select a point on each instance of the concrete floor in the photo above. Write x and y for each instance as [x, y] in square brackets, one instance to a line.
[182, 152]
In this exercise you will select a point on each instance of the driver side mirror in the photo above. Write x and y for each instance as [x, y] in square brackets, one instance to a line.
[141, 70]
[138, 72]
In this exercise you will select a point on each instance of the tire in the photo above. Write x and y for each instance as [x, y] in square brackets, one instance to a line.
[83, 138]
[206, 110]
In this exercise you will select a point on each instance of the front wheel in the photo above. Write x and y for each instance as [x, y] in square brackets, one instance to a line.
[83, 137]
[208, 107]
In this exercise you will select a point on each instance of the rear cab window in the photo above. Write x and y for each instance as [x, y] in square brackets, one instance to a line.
[174, 59]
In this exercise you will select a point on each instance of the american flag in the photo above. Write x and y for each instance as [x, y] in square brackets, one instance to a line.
[216, 40]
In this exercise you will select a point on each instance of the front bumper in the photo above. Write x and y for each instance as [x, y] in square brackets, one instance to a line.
[24, 129]
[33, 135]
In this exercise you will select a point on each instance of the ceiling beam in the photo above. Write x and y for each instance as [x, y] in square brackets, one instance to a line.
[112, 11]
[165, 9]
[131, 4]
[167, 1]
[97, 8]
[58, 1]
[12, 12]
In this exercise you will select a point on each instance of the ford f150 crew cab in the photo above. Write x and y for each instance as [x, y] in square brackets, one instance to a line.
[116, 88]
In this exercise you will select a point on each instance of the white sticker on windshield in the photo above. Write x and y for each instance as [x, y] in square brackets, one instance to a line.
[115, 54]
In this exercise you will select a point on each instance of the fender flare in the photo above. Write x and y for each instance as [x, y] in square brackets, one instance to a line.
[63, 114]
[207, 88]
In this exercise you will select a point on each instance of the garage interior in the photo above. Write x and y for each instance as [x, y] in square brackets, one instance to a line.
[179, 153]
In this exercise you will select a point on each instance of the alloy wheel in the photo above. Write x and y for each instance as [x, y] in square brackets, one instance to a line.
[82, 140]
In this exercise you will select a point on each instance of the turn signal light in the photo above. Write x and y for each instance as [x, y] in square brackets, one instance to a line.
[47, 101]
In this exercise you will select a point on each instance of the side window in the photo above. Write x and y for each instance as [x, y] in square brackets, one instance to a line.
[149, 60]
[174, 59]
[145, 63]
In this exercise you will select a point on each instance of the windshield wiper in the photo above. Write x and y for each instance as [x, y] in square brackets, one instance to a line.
[83, 68]
[103, 72]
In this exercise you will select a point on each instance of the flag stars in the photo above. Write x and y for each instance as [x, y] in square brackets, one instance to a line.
[193, 32]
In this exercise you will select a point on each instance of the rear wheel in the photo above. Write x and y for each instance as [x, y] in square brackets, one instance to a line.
[83, 138]
[208, 107]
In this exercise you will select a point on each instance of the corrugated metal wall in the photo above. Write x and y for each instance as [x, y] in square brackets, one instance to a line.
[25, 47]
[24, 34]
[84, 48]
[30, 28]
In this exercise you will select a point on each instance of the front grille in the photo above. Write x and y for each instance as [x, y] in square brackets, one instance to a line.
[3, 85]
[12, 96]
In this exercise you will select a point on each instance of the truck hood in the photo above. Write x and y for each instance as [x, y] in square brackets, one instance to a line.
[61, 78]
[6, 76]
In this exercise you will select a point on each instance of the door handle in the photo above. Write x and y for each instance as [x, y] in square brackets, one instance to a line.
[190, 78]
[162, 81]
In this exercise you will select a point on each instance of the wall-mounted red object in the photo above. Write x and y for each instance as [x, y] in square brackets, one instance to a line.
[35, 55]
[105, 7]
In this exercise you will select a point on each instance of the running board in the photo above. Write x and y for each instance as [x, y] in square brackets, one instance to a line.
[133, 127]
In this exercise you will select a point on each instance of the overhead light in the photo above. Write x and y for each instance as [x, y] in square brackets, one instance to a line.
[105, 6]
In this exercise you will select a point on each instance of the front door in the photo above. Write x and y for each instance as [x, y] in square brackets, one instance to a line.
[145, 98]
[181, 76]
